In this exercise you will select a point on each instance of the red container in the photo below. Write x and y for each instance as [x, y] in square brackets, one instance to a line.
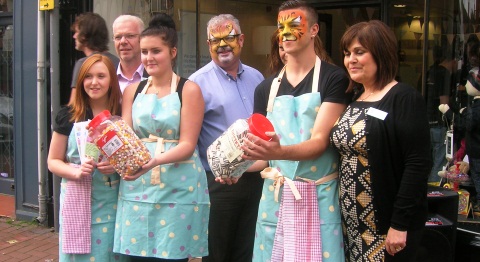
[259, 124]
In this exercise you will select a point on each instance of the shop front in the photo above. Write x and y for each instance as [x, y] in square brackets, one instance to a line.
[421, 27]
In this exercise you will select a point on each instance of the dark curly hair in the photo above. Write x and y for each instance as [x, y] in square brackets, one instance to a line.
[92, 31]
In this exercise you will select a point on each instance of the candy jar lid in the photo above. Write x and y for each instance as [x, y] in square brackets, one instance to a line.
[104, 115]
[259, 124]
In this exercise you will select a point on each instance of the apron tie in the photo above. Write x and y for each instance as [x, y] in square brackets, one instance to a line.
[277, 81]
[159, 149]
[279, 180]
[320, 181]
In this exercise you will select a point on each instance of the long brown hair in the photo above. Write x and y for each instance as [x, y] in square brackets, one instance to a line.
[275, 60]
[81, 102]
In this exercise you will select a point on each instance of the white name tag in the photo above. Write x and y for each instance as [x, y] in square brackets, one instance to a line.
[377, 113]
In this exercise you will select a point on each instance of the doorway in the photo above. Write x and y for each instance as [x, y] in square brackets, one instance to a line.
[7, 174]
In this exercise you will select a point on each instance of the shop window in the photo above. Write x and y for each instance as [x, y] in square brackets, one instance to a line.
[6, 92]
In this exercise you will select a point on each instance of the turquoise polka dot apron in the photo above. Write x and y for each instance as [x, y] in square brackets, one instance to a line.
[164, 213]
[293, 119]
[104, 195]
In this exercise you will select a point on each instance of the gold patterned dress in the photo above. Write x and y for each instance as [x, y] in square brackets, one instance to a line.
[362, 243]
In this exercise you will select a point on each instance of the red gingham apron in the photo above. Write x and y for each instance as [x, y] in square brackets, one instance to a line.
[77, 217]
[298, 230]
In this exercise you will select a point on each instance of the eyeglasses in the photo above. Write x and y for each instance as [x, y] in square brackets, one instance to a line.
[129, 37]
[227, 39]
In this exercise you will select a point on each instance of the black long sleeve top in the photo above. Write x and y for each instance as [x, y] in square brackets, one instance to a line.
[400, 160]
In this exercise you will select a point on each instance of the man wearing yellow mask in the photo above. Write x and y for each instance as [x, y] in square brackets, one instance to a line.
[299, 216]
[228, 86]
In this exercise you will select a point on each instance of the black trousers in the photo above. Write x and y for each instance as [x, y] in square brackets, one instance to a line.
[233, 215]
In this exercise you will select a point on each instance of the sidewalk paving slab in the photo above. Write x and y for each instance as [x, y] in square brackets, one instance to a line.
[23, 241]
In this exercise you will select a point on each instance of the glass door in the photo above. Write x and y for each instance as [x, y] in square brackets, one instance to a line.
[6, 99]
[334, 21]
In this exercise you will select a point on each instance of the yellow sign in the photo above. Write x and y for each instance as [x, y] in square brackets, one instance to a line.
[45, 5]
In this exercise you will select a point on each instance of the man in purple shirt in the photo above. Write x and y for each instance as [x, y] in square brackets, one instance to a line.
[228, 87]
[126, 36]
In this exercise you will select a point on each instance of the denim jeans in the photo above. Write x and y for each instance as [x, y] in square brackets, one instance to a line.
[437, 143]
[474, 165]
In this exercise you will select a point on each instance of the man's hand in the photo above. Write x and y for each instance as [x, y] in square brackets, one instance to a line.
[255, 148]
[228, 181]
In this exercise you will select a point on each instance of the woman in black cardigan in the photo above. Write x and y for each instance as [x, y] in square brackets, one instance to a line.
[383, 139]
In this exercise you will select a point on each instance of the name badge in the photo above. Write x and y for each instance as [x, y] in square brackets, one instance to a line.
[377, 113]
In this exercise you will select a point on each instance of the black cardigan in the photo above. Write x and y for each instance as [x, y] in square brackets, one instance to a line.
[400, 160]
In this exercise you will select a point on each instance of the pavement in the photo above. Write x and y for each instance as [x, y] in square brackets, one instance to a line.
[24, 241]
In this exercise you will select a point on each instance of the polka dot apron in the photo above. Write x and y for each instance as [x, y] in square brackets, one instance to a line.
[293, 119]
[165, 212]
[104, 193]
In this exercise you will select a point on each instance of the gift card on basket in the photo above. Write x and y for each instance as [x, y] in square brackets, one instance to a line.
[86, 148]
